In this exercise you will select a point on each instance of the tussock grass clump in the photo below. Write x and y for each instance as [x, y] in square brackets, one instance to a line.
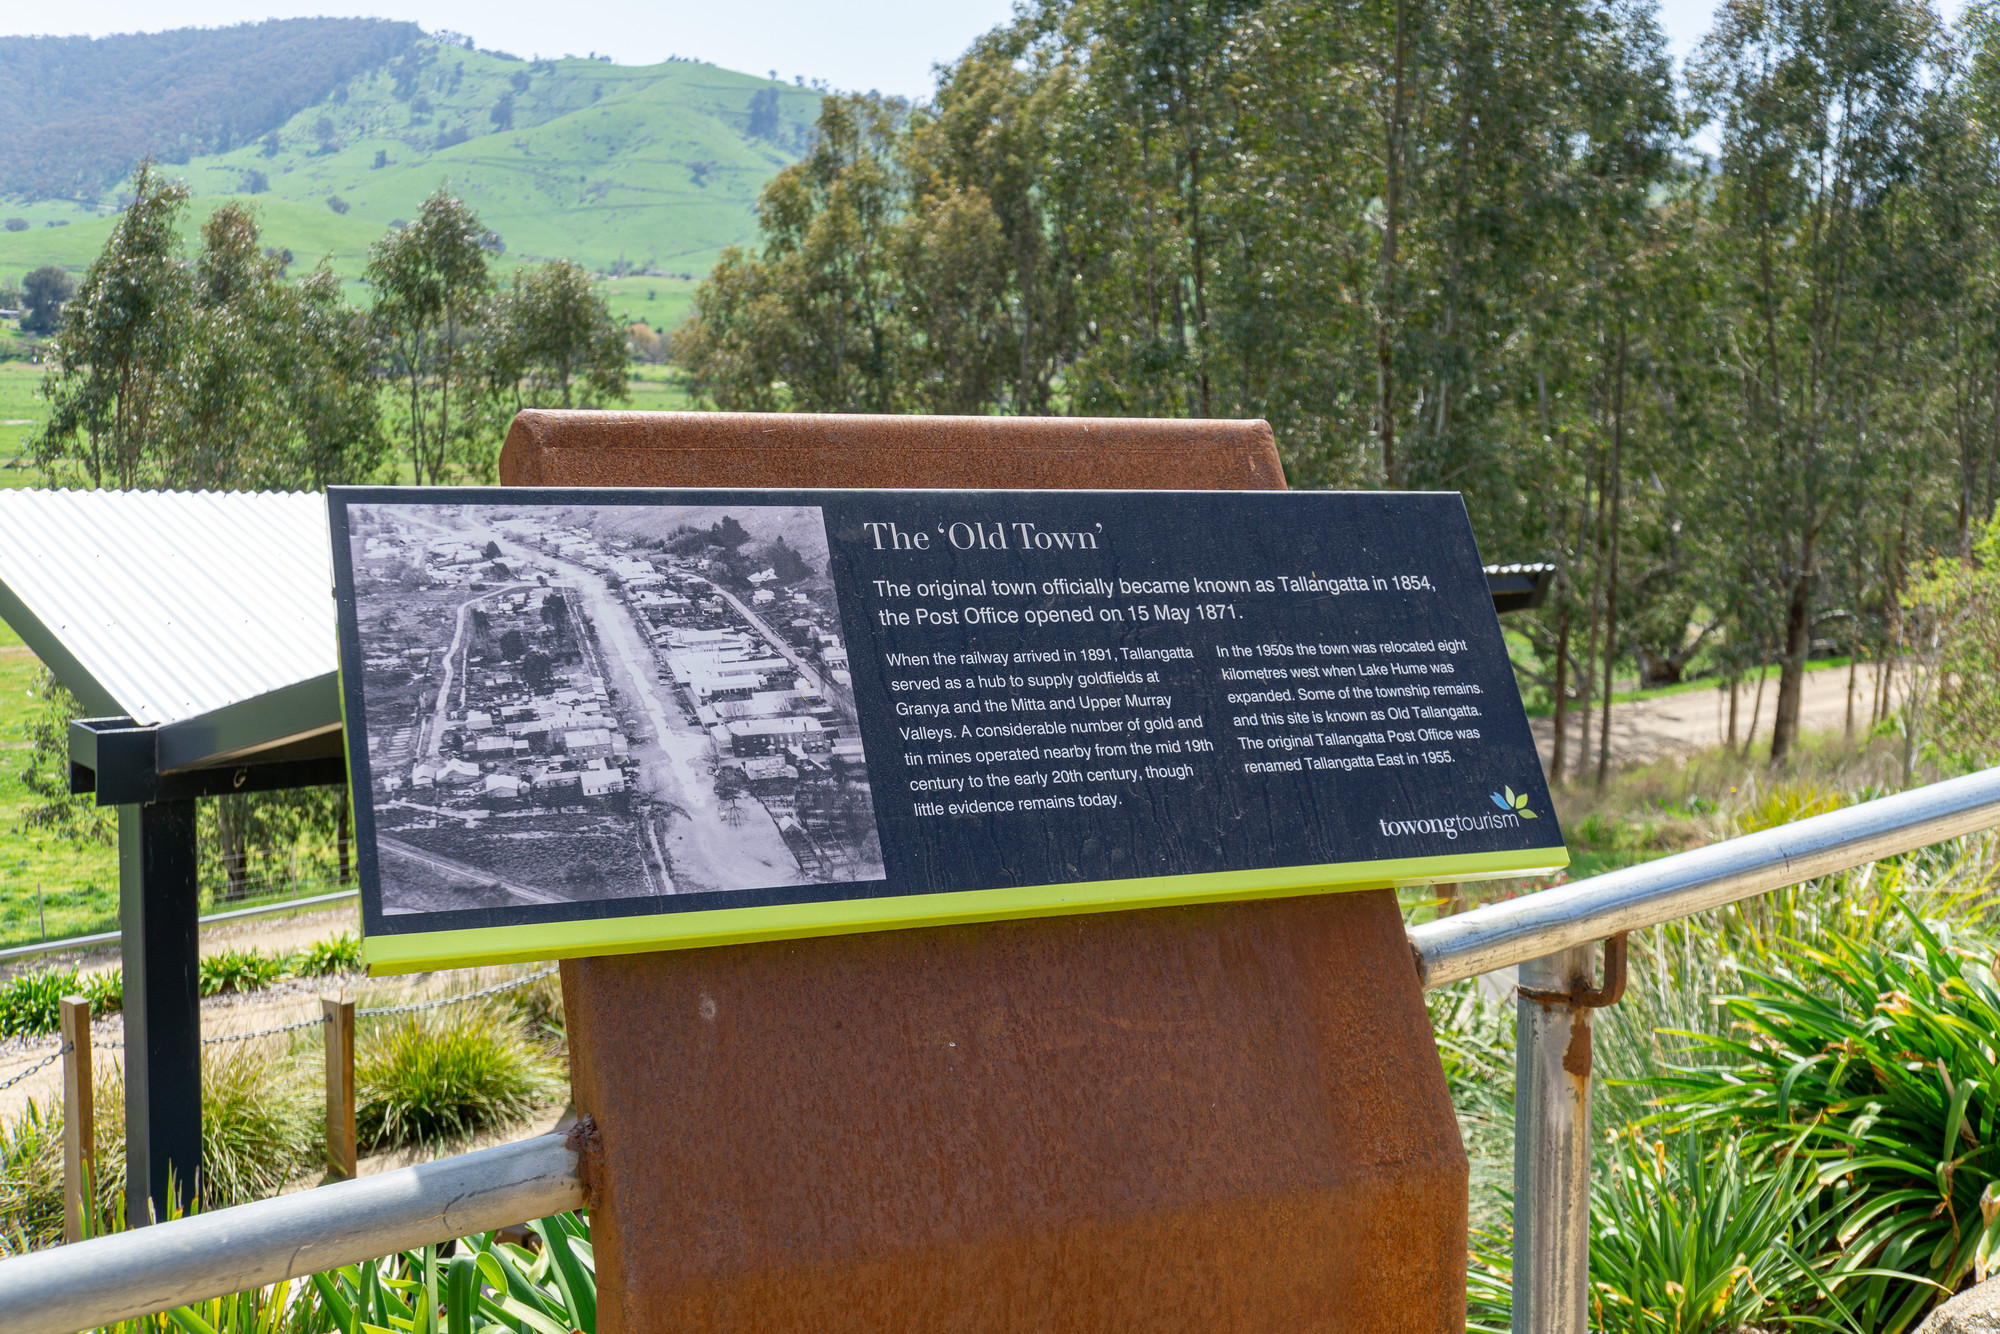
[31, 1179]
[31, 1169]
[538, 1009]
[261, 1123]
[429, 1079]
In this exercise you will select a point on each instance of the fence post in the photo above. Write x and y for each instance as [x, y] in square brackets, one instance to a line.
[340, 1146]
[1552, 1147]
[79, 1118]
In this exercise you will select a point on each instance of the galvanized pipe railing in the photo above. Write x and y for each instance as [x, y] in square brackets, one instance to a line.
[1584, 911]
[1549, 934]
[134, 1273]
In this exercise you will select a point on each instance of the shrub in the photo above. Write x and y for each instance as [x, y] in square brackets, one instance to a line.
[427, 1079]
[30, 1004]
[260, 1121]
[17, 224]
[340, 954]
[105, 991]
[238, 971]
[1693, 1235]
[1876, 1063]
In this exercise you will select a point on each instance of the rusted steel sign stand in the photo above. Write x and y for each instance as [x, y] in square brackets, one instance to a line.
[1229, 1116]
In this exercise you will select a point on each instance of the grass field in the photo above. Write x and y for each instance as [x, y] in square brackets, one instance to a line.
[659, 389]
[659, 302]
[42, 880]
[22, 413]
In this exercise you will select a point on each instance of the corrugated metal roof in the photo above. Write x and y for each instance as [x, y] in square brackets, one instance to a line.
[170, 605]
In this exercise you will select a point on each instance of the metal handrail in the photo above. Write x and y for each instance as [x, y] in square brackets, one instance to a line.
[113, 937]
[1534, 926]
[135, 1273]
[97, 1282]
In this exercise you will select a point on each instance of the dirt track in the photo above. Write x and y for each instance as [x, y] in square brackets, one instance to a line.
[1653, 729]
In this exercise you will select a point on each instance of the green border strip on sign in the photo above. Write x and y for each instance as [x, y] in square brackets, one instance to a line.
[646, 932]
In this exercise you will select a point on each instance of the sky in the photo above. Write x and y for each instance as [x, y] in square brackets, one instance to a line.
[885, 45]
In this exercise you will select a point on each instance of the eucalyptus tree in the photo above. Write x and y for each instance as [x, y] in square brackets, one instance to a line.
[553, 343]
[432, 281]
[986, 242]
[1825, 108]
[111, 368]
[814, 320]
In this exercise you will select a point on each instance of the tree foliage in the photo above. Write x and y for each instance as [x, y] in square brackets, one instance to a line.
[220, 374]
[1458, 244]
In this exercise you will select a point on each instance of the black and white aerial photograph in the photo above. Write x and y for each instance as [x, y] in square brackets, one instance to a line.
[586, 702]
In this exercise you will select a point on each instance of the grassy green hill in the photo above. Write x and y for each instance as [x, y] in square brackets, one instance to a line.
[626, 169]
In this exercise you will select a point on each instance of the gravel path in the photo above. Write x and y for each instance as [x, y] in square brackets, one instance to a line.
[1654, 729]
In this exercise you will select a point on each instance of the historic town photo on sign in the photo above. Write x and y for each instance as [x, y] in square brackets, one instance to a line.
[585, 702]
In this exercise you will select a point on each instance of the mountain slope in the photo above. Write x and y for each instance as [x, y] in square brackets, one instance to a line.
[76, 112]
[621, 168]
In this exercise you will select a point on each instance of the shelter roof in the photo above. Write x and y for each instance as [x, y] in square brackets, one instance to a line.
[208, 614]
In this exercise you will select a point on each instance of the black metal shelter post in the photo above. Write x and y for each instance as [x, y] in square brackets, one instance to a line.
[158, 916]
[158, 903]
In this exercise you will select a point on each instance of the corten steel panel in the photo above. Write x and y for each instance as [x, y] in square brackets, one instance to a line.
[554, 448]
[1227, 1117]
[1213, 1118]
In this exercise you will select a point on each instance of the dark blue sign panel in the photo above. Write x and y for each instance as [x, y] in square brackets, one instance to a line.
[600, 721]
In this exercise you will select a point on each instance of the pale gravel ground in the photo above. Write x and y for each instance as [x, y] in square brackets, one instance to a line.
[1696, 720]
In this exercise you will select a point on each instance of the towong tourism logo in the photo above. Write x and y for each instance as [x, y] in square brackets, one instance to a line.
[1513, 805]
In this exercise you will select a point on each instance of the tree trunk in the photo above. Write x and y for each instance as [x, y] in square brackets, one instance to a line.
[1561, 693]
[1200, 288]
[1757, 708]
[1735, 693]
[1791, 678]
[1392, 198]
[1853, 666]
[1611, 575]
[232, 823]
[1584, 694]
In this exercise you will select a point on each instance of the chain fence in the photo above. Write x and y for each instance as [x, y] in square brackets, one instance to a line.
[45, 1062]
[315, 1022]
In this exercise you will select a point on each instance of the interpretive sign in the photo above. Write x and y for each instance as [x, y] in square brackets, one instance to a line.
[597, 721]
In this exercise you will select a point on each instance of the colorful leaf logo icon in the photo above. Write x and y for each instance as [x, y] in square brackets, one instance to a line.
[1504, 803]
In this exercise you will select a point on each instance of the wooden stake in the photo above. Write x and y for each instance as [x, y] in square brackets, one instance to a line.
[340, 1147]
[79, 1118]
